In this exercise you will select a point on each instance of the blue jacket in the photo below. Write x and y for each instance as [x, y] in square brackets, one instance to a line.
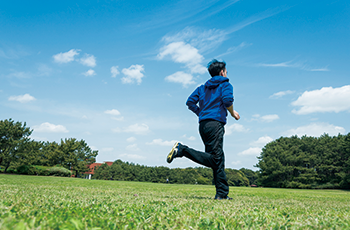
[213, 97]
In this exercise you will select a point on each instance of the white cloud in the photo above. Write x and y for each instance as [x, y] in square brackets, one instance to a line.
[90, 72]
[136, 129]
[255, 151]
[303, 65]
[257, 146]
[192, 138]
[266, 118]
[320, 69]
[20, 75]
[282, 64]
[118, 118]
[235, 128]
[262, 141]
[114, 71]
[183, 53]
[113, 112]
[270, 118]
[204, 40]
[66, 57]
[88, 60]
[326, 99]
[236, 162]
[44, 70]
[131, 139]
[180, 77]
[281, 94]
[316, 130]
[234, 49]
[161, 142]
[46, 127]
[132, 74]
[22, 98]
[131, 156]
[132, 147]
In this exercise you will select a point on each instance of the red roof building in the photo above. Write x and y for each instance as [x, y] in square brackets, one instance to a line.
[93, 166]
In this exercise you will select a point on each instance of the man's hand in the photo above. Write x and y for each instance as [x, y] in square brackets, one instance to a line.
[233, 113]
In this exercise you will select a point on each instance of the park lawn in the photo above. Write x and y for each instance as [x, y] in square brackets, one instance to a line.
[35, 202]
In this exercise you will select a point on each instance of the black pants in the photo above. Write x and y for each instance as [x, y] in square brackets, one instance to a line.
[212, 134]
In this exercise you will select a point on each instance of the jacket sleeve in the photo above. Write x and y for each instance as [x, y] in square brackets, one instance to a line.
[227, 94]
[192, 102]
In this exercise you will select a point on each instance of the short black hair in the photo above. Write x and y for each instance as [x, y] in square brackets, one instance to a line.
[215, 67]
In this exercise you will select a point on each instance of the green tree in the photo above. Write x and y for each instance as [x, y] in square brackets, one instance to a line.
[28, 154]
[251, 175]
[76, 155]
[13, 136]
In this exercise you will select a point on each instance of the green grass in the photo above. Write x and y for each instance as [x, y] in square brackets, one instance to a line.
[35, 202]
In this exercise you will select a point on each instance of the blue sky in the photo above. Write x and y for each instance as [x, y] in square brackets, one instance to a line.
[118, 73]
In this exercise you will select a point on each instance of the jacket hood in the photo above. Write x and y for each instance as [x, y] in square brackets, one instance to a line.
[215, 82]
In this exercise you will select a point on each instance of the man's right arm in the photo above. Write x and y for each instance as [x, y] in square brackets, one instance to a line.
[192, 102]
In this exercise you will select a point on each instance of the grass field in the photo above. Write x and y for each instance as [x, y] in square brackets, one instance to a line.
[34, 202]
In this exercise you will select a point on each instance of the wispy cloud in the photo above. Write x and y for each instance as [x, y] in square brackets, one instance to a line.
[185, 79]
[126, 156]
[114, 71]
[183, 53]
[46, 127]
[255, 151]
[113, 112]
[139, 129]
[133, 74]
[20, 75]
[89, 73]
[88, 60]
[132, 147]
[191, 138]
[256, 18]
[303, 65]
[282, 64]
[266, 118]
[131, 139]
[22, 98]
[235, 128]
[66, 57]
[281, 94]
[326, 99]
[183, 10]
[316, 130]
[203, 40]
[234, 49]
[320, 69]
[13, 52]
[257, 146]
[161, 142]
[116, 115]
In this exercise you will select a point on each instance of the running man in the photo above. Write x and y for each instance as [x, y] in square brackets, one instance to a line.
[214, 99]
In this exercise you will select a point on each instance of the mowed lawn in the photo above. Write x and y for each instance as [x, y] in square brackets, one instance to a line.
[34, 202]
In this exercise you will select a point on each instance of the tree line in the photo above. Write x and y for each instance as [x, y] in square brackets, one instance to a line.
[306, 162]
[125, 171]
[288, 162]
[18, 150]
